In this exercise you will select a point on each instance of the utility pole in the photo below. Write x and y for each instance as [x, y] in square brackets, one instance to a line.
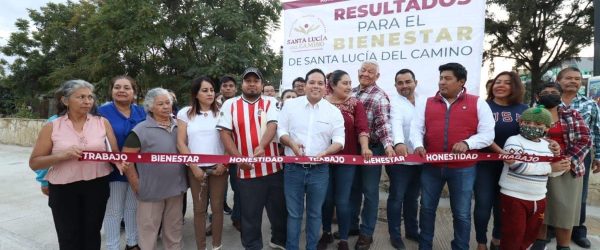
[596, 38]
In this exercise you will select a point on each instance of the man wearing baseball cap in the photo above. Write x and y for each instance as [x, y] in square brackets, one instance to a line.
[248, 124]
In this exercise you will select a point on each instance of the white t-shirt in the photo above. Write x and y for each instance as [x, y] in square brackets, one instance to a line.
[203, 136]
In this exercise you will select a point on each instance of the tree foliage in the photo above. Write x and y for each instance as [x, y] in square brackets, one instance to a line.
[158, 42]
[539, 34]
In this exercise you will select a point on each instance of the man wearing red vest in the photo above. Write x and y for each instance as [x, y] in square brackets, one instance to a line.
[457, 122]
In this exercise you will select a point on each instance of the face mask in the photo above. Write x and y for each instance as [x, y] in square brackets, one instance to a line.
[549, 101]
[532, 133]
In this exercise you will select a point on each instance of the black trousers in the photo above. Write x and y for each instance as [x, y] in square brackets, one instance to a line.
[78, 211]
[255, 195]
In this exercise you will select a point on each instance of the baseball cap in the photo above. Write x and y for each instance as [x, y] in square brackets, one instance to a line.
[252, 70]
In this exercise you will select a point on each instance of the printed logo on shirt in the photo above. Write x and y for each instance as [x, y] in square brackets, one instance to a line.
[507, 116]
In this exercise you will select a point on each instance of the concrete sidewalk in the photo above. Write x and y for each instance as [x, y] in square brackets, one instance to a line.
[26, 221]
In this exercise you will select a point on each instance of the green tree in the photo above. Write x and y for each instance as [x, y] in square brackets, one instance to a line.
[159, 42]
[538, 34]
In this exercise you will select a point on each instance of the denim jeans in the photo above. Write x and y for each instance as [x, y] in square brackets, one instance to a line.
[338, 195]
[233, 181]
[405, 187]
[487, 199]
[301, 180]
[366, 182]
[460, 186]
[581, 230]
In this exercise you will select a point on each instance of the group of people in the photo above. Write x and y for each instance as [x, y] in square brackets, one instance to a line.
[322, 115]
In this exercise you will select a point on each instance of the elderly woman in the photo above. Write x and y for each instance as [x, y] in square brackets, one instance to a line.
[123, 114]
[198, 134]
[564, 190]
[159, 186]
[78, 189]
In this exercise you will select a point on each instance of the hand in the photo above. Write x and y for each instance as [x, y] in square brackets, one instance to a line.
[259, 151]
[245, 166]
[298, 149]
[421, 151]
[389, 151]
[596, 166]
[562, 165]
[509, 162]
[460, 147]
[401, 149]
[72, 153]
[367, 153]
[219, 170]
[198, 173]
[122, 166]
[554, 147]
[45, 190]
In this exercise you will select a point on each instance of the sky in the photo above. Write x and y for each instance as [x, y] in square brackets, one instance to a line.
[13, 9]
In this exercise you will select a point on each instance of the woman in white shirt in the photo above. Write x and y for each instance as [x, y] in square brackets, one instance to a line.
[198, 135]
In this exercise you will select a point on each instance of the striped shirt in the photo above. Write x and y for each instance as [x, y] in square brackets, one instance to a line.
[588, 109]
[247, 121]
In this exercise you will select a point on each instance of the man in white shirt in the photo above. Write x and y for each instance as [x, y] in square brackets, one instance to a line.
[452, 121]
[405, 183]
[308, 126]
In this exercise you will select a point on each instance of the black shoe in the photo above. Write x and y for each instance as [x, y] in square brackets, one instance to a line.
[583, 242]
[352, 232]
[364, 242]
[398, 244]
[538, 245]
[562, 248]
[414, 238]
[325, 240]
[226, 209]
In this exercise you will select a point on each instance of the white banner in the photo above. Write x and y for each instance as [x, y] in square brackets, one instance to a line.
[419, 35]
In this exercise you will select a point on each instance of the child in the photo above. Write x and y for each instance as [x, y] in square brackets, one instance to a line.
[522, 184]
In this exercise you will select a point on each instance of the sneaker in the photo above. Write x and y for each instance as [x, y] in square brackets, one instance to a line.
[343, 245]
[325, 240]
[276, 246]
[364, 242]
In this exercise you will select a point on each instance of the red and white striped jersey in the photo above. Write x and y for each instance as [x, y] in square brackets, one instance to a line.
[246, 120]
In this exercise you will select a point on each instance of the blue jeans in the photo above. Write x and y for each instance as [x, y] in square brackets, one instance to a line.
[487, 199]
[460, 185]
[236, 215]
[581, 230]
[338, 195]
[300, 180]
[405, 187]
[366, 182]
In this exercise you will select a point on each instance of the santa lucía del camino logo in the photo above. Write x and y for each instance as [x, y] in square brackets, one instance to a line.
[307, 33]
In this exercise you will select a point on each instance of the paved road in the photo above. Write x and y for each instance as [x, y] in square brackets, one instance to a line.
[26, 221]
